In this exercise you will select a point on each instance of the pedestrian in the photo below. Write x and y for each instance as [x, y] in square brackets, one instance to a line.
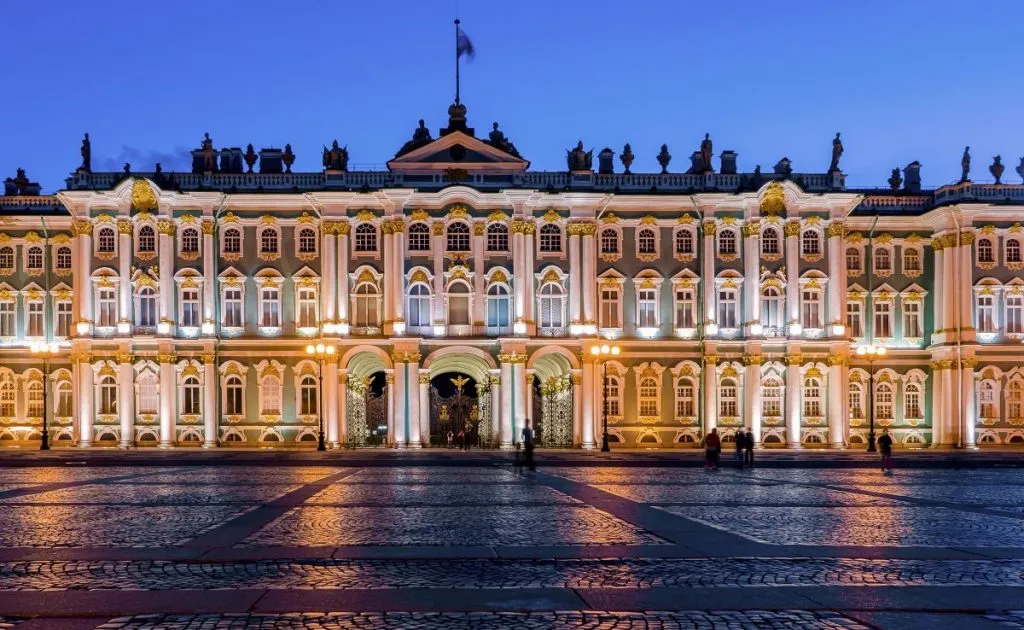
[748, 449]
[450, 436]
[462, 439]
[712, 447]
[517, 463]
[741, 440]
[528, 446]
[885, 448]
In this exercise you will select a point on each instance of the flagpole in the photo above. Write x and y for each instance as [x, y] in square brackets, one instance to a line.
[456, 61]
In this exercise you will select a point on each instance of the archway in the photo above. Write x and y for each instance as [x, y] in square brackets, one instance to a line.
[366, 404]
[552, 411]
[456, 410]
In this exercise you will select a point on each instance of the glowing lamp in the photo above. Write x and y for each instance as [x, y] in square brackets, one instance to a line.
[756, 329]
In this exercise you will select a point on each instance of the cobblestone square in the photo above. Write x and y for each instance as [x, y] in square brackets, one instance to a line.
[485, 494]
[743, 494]
[158, 494]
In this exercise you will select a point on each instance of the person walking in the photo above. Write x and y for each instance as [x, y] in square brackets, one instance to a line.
[748, 449]
[741, 441]
[885, 448]
[712, 447]
[462, 440]
[450, 436]
[528, 446]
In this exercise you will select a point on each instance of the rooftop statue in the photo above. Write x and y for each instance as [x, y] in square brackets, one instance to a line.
[209, 155]
[664, 157]
[965, 165]
[86, 166]
[336, 158]
[705, 153]
[783, 167]
[837, 152]
[499, 141]
[627, 157]
[579, 160]
[997, 168]
[1020, 169]
[420, 137]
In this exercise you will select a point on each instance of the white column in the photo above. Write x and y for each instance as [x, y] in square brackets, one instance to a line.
[167, 398]
[519, 399]
[166, 229]
[329, 286]
[967, 413]
[209, 285]
[575, 275]
[522, 277]
[950, 416]
[531, 289]
[86, 391]
[836, 396]
[506, 404]
[343, 302]
[210, 432]
[794, 386]
[589, 270]
[751, 288]
[966, 268]
[83, 273]
[389, 378]
[708, 280]
[398, 269]
[437, 249]
[413, 398]
[577, 407]
[528, 406]
[400, 406]
[710, 389]
[940, 433]
[752, 395]
[495, 381]
[939, 281]
[836, 283]
[390, 277]
[126, 398]
[792, 274]
[342, 409]
[949, 315]
[331, 403]
[124, 260]
[424, 380]
[479, 296]
[590, 406]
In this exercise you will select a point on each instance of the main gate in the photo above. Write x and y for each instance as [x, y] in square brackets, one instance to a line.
[453, 409]
[367, 411]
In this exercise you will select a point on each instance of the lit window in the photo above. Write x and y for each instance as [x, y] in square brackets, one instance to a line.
[234, 404]
[646, 242]
[270, 395]
[855, 319]
[685, 308]
[810, 308]
[190, 308]
[106, 242]
[34, 326]
[987, 400]
[34, 391]
[147, 240]
[883, 401]
[611, 397]
[458, 237]
[7, 399]
[270, 307]
[498, 310]
[107, 308]
[307, 396]
[232, 307]
[366, 310]
[458, 304]
[648, 397]
[812, 398]
[772, 315]
[856, 400]
[1015, 314]
[63, 407]
[771, 398]
[610, 308]
[1015, 400]
[307, 307]
[63, 319]
[552, 310]
[63, 258]
[609, 241]
[986, 253]
[108, 395]
[497, 237]
[883, 319]
[986, 314]
[419, 237]
[853, 260]
[912, 320]
[647, 308]
[190, 397]
[366, 238]
[190, 241]
[727, 242]
[307, 241]
[685, 407]
[417, 313]
[727, 398]
[883, 260]
[1013, 251]
[232, 241]
[684, 242]
[911, 260]
[550, 238]
[770, 242]
[149, 394]
[727, 309]
[145, 312]
[810, 243]
[268, 242]
[912, 402]
[7, 319]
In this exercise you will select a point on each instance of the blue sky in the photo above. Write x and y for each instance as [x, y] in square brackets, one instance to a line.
[901, 80]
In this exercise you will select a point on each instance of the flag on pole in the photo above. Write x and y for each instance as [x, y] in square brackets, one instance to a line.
[462, 44]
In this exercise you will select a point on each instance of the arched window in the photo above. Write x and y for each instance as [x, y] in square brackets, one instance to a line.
[268, 241]
[648, 401]
[727, 398]
[771, 397]
[912, 402]
[366, 238]
[684, 242]
[883, 260]
[7, 398]
[147, 240]
[307, 241]
[149, 394]
[552, 310]
[812, 398]
[145, 315]
[727, 243]
[772, 315]
[810, 243]
[498, 309]
[987, 400]
[270, 396]
[234, 399]
[34, 258]
[497, 237]
[1015, 400]
[6, 258]
[646, 242]
[986, 254]
[63, 258]
[106, 241]
[366, 311]
[612, 392]
[417, 313]
[458, 304]
[911, 260]
[1013, 251]
[685, 407]
[609, 241]
[190, 241]
[853, 259]
[550, 238]
[34, 397]
[307, 396]
[856, 400]
[883, 401]
[232, 241]
[190, 404]
[62, 409]
[458, 237]
[419, 237]
[770, 242]
[108, 395]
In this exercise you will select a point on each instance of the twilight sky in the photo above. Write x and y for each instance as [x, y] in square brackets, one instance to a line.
[914, 79]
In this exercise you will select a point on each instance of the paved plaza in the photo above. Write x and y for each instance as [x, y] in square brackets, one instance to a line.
[465, 542]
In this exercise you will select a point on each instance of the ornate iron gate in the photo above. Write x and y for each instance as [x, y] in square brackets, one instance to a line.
[367, 413]
[376, 417]
[455, 413]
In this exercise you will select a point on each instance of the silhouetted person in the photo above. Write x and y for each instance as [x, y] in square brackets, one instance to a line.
[885, 448]
[741, 440]
[748, 449]
[528, 446]
[712, 447]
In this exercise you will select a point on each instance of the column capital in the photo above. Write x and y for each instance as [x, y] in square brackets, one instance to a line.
[208, 357]
[792, 228]
[425, 378]
[81, 227]
[709, 227]
[795, 359]
[124, 226]
[753, 360]
[125, 357]
[966, 238]
[835, 228]
[512, 357]
[495, 379]
[343, 228]
[752, 228]
[208, 226]
[389, 379]
[834, 360]
[711, 359]
[343, 379]
[968, 364]
[166, 357]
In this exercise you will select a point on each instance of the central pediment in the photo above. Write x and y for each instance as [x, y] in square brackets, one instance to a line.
[457, 150]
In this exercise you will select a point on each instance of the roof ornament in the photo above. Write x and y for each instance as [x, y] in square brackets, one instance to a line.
[498, 140]
[288, 158]
[965, 165]
[705, 154]
[250, 157]
[420, 137]
[664, 157]
[336, 158]
[895, 181]
[1020, 169]
[837, 152]
[997, 168]
[578, 159]
[86, 166]
[626, 158]
[783, 167]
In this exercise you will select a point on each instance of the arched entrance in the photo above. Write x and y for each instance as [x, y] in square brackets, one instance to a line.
[454, 410]
[366, 404]
[552, 411]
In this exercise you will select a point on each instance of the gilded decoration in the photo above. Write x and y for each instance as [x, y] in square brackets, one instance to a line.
[305, 217]
[343, 228]
[124, 357]
[729, 372]
[124, 226]
[365, 215]
[966, 238]
[479, 229]
[794, 359]
[609, 217]
[835, 229]
[389, 378]
[774, 199]
[499, 276]
[551, 216]
[497, 215]
[551, 276]
[166, 357]
[753, 360]
[419, 276]
[813, 373]
[81, 227]
[686, 219]
[495, 380]
[207, 227]
[728, 257]
[419, 215]
[189, 219]
[751, 229]
[438, 228]
[883, 239]
[813, 221]
[366, 276]
[143, 197]
[854, 237]
[792, 228]
[458, 212]
[648, 220]
[165, 226]
[711, 359]
[710, 228]
[512, 357]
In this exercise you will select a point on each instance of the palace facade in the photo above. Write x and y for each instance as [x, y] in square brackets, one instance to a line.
[462, 291]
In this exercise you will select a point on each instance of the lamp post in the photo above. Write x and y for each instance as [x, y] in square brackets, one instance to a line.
[871, 351]
[46, 351]
[605, 351]
[321, 352]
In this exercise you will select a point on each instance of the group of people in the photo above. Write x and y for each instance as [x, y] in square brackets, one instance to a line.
[744, 442]
[461, 441]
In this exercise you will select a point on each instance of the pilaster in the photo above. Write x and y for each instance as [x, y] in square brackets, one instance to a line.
[751, 287]
[126, 398]
[167, 397]
[210, 433]
[710, 389]
[86, 391]
[209, 324]
[792, 229]
[330, 409]
[752, 391]
[166, 324]
[837, 281]
[794, 389]
[124, 259]
[329, 287]
[708, 284]
[589, 280]
[342, 230]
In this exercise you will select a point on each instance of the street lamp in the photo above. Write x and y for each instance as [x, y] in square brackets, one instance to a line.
[46, 351]
[322, 352]
[871, 352]
[604, 350]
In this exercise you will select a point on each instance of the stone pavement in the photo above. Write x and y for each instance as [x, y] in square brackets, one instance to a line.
[413, 543]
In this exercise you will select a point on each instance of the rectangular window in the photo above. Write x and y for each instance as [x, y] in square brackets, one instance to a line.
[63, 319]
[912, 320]
[771, 399]
[307, 308]
[856, 411]
[190, 308]
[685, 305]
[883, 319]
[811, 309]
[727, 401]
[684, 401]
[854, 319]
[647, 308]
[7, 319]
[610, 308]
[146, 314]
[149, 396]
[108, 308]
[270, 313]
[232, 308]
[34, 326]
[1014, 314]
[611, 398]
[727, 309]
[986, 314]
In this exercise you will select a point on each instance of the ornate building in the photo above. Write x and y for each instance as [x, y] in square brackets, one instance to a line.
[463, 291]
